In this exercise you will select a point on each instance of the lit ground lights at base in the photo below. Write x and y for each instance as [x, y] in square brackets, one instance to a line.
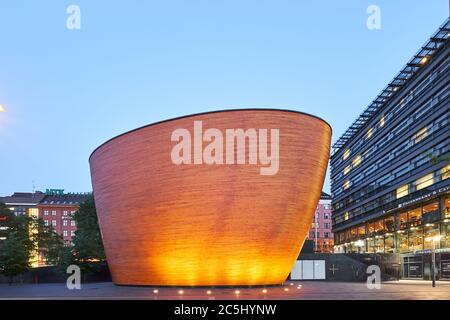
[284, 289]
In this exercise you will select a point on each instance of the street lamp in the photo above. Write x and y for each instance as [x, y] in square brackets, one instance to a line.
[2, 109]
[433, 256]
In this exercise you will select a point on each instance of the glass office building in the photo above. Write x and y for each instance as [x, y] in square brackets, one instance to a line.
[390, 170]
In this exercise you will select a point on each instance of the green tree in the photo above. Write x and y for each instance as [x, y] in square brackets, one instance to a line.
[50, 244]
[14, 256]
[437, 159]
[24, 237]
[88, 246]
[16, 248]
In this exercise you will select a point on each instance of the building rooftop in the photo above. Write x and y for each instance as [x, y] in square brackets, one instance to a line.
[325, 196]
[420, 59]
[23, 198]
[67, 199]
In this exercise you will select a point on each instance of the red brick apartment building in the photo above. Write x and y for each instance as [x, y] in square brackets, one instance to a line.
[57, 209]
[321, 232]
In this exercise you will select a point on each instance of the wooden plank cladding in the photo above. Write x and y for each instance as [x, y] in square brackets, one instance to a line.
[208, 224]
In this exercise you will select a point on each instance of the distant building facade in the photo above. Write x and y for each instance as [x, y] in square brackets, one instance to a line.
[54, 207]
[57, 208]
[321, 230]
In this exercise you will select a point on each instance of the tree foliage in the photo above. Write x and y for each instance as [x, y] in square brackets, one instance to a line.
[87, 250]
[24, 237]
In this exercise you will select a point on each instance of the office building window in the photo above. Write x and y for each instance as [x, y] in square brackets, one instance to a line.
[72, 233]
[53, 212]
[73, 223]
[65, 233]
[347, 169]
[65, 213]
[346, 185]
[45, 212]
[54, 223]
[65, 223]
[346, 154]
[420, 135]
[424, 182]
[445, 172]
[45, 222]
[356, 161]
[402, 191]
[369, 133]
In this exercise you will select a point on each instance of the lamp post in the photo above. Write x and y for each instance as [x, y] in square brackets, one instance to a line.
[2, 109]
[433, 257]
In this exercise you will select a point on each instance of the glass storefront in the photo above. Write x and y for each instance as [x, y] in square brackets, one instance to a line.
[410, 230]
[379, 244]
[389, 244]
[402, 242]
[415, 239]
[429, 232]
[447, 208]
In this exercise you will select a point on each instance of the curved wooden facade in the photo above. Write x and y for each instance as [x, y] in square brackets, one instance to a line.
[208, 225]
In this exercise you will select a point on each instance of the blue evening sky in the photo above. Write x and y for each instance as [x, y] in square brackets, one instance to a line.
[136, 62]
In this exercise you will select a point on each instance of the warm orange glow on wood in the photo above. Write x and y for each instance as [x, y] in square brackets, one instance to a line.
[191, 225]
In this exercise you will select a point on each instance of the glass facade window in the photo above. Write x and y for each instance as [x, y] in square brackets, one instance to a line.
[430, 208]
[369, 133]
[389, 244]
[403, 220]
[371, 228]
[402, 191]
[389, 223]
[379, 244]
[346, 185]
[346, 154]
[430, 232]
[447, 208]
[424, 182]
[445, 172]
[347, 169]
[362, 231]
[445, 240]
[420, 135]
[356, 161]
[415, 217]
[382, 121]
[415, 239]
[371, 245]
[353, 233]
[402, 242]
[379, 226]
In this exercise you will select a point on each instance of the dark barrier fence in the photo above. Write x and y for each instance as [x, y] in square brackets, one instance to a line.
[353, 267]
[55, 275]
